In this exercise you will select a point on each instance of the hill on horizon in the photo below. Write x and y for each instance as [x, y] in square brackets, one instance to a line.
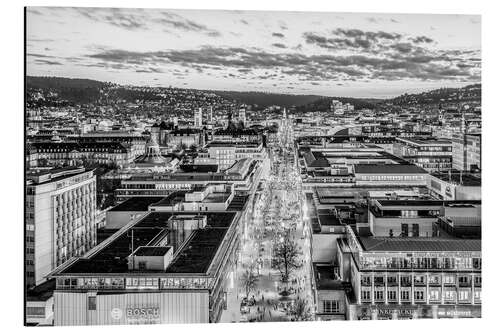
[78, 90]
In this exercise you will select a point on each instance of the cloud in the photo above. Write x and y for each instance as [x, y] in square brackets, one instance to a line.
[278, 34]
[114, 16]
[139, 19]
[422, 39]
[178, 22]
[279, 45]
[406, 63]
[47, 62]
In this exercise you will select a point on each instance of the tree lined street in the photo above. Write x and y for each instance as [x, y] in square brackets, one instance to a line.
[273, 275]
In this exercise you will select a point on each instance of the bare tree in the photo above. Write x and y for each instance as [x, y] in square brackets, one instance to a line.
[249, 280]
[301, 310]
[287, 257]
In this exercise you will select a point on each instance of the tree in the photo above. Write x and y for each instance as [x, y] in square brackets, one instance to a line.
[287, 257]
[181, 146]
[193, 147]
[301, 310]
[249, 280]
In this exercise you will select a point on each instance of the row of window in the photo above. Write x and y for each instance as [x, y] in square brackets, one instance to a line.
[367, 262]
[419, 295]
[406, 280]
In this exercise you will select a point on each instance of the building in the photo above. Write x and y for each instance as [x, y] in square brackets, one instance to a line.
[242, 173]
[330, 293]
[454, 186]
[79, 153]
[414, 218]
[390, 175]
[185, 137]
[225, 154]
[151, 271]
[40, 304]
[242, 115]
[466, 152]
[60, 219]
[409, 278]
[198, 118]
[428, 153]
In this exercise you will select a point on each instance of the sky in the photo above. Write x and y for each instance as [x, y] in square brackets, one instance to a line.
[322, 53]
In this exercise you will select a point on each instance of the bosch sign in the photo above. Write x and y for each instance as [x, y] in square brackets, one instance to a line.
[143, 313]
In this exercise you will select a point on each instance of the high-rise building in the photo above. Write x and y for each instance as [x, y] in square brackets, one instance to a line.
[60, 219]
[242, 116]
[198, 118]
[466, 152]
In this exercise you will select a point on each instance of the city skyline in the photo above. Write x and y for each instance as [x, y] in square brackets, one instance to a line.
[332, 54]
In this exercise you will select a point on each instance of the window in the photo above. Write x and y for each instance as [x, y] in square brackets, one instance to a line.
[406, 281]
[434, 279]
[415, 230]
[419, 295]
[449, 295]
[365, 295]
[449, 279]
[404, 230]
[477, 280]
[405, 295]
[379, 295]
[92, 303]
[365, 280]
[331, 306]
[434, 295]
[463, 295]
[392, 280]
[477, 295]
[391, 295]
[419, 279]
[35, 311]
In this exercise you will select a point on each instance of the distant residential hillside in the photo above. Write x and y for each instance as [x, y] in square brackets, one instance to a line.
[59, 91]
[52, 82]
[443, 95]
[323, 104]
[267, 99]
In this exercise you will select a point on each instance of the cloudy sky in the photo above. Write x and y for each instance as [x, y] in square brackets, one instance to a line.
[333, 54]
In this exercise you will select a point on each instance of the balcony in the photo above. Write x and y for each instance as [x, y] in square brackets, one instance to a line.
[366, 283]
[405, 283]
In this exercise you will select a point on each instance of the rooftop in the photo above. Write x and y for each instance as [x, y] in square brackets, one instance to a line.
[465, 179]
[139, 204]
[388, 169]
[325, 278]
[329, 220]
[193, 253]
[52, 175]
[151, 251]
[419, 244]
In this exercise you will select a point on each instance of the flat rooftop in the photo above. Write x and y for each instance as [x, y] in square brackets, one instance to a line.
[388, 169]
[328, 219]
[465, 179]
[325, 278]
[139, 204]
[193, 254]
[145, 251]
[427, 141]
[45, 176]
[409, 244]
[233, 144]
[434, 203]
